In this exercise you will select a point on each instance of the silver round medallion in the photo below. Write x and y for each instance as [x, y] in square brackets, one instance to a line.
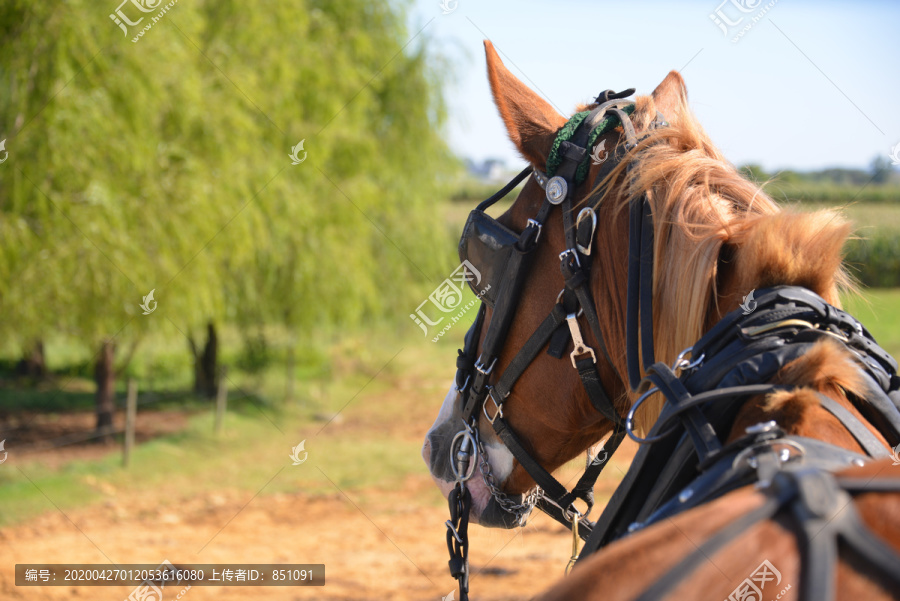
[557, 188]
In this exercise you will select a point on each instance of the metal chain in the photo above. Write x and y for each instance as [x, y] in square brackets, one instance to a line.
[520, 510]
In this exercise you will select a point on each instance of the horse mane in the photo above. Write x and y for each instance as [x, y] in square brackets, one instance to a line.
[717, 234]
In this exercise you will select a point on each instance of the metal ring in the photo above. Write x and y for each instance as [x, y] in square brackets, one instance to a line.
[470, 469]
[571, 511]
[559, 298]
[629, 421]
[683, 364]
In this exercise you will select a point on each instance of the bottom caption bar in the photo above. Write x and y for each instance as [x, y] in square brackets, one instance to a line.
[170, 575]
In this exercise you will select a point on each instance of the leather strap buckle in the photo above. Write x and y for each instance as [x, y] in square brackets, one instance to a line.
[485, 370]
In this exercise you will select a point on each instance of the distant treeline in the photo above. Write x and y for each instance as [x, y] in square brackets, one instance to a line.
[874, 257]
[836, 185]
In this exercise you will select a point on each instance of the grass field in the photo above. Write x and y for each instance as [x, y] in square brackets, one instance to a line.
[879, 311]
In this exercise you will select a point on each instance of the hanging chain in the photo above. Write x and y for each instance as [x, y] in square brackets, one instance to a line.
[458, 537]
[520, 510]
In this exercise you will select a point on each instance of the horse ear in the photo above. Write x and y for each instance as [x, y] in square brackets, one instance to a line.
[530, 121]
[670, 97]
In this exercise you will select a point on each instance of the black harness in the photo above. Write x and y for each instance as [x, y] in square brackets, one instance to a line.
[683, 462]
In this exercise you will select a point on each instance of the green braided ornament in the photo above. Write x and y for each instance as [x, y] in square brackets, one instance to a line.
[566, 133]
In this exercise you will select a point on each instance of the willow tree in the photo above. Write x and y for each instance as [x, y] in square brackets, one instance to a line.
[100, 195]
[162, 165]
[348, 228]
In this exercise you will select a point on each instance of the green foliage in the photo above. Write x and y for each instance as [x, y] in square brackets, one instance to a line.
[875, 261]
[877, 310]
[163, 164]
[873, 253]
[256, 355]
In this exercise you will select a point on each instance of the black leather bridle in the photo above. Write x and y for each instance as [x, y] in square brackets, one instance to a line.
[502, 257]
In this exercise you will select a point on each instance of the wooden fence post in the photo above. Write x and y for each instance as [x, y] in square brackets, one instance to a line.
[221, 400]
[130, 417]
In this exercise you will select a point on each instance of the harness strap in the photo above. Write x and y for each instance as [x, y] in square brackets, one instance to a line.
[821, 506]
[529, 351]
[868, 441]
[590, 379]
[662, 587]
[484, 204]
[584, 489]
[550, 485]
[697, 426]
[639, 290]
[577, 281]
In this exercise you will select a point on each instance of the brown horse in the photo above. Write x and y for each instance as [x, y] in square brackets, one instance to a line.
[715, 238]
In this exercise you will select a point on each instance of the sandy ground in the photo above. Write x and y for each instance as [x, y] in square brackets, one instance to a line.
[388, 546]
[393, 550]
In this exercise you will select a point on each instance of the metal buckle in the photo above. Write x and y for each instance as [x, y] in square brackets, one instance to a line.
[570, 251]
[498, 406]
[585, 212]
[537, 224]
[480, 366]
[580, 347]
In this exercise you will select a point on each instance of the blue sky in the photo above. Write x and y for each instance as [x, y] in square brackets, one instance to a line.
[812, 84]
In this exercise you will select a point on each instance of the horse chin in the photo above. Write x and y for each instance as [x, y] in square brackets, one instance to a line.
[486, 511]
[494, 516]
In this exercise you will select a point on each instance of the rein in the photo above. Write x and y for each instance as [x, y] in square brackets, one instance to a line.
[567, 167]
